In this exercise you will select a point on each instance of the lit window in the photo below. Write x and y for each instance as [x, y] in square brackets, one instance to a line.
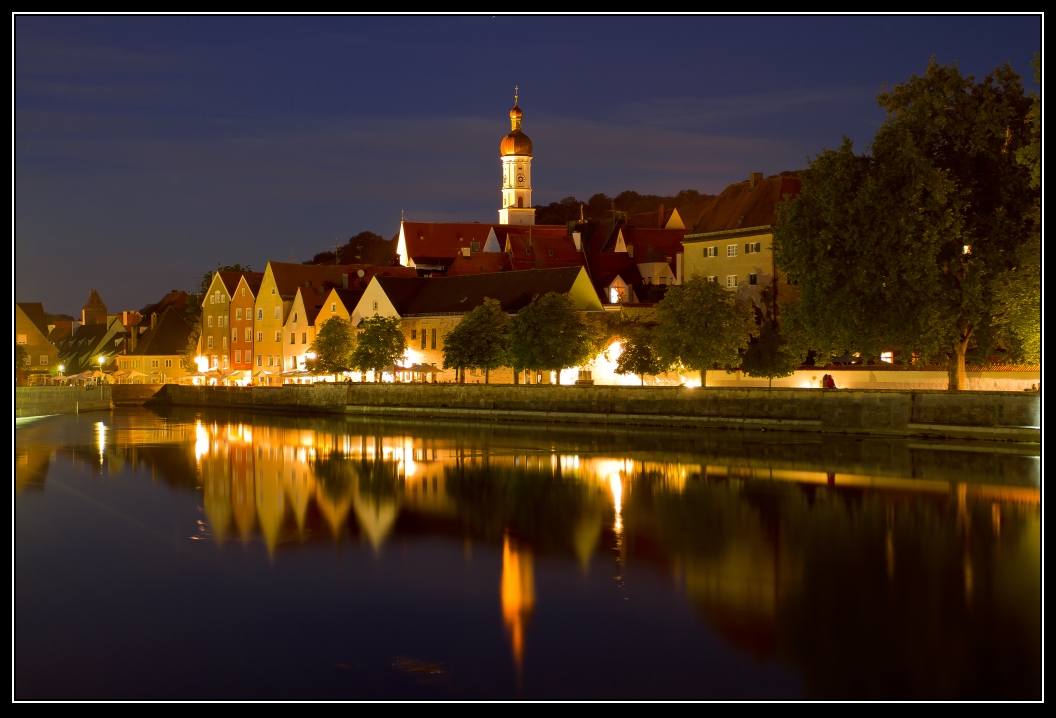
[209, 342]
[711, 251]
[731, 250]
[731, 281]
[967, 249]
[225, 361]
[209, 320]
[44, 359]
[889, 357]
[238, 356]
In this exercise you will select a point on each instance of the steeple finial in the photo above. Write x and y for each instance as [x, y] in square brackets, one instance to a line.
[516, 94]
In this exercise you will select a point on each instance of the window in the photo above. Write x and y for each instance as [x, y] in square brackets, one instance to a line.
[209, 342]
[731, 281]
[423, 338]
[44, 359]
[153, 363]
[520, 202]
[414, 334]
[375, 306]
[260, 337]
[712, 278]
[223, 299]
[223, 342]
[711, 251]
[278, 336]
[271, 360]
[752, 279]
[731, 250]
[209, 320]
[234, 334]
[260, 314]
[168, 363]
[273, 290]
[278, 312]
[434, 339]
[753, 248]
[21, 339]
[333, 307]
[225, 361]
[260, 360]
[295, 317]
[249, 334]
[293, 337]
[243, 291]
[212, 299]
[162, 378]
[474, 246]
[238, 314]
[304, 337]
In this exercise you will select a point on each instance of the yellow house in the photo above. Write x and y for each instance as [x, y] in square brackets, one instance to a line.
[158, 351]
[732, 242]
[299, 331]
[216, 320]
[31, 333]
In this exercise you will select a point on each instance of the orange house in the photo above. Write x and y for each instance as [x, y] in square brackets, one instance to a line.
[242, 321]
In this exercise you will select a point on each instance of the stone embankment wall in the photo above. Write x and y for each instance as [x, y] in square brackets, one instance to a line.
[864, 378]
[985, 415]
[133, 394]
[47, 400]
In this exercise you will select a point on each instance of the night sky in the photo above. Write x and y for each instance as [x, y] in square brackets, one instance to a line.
[147, 149]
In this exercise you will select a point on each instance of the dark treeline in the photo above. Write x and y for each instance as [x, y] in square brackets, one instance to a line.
[689, 202]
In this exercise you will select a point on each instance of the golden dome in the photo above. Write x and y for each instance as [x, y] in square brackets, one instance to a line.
[516, 143]
[515, 113]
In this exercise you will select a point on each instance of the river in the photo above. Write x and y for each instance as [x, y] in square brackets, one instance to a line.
[185, 554]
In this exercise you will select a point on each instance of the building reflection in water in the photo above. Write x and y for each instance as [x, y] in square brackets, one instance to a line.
[768, 551]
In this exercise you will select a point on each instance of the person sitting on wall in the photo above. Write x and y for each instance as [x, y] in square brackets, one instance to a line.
[827, 382]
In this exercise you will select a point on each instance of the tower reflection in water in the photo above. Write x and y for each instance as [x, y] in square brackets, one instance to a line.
[815, 550]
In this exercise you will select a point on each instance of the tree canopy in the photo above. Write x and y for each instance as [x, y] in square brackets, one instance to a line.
[769, 355]
[479, 340]
[898, 247]
[549, 334]
[639, 355]
[379, 344]
[702, 326]
[362, 248]
[333, 346]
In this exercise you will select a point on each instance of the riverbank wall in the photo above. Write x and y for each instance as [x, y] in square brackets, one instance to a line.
[1003, 416]
[133, 394]
[48, 400]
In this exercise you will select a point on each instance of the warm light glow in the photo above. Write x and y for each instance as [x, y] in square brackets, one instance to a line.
[201, 441]
[616, 486]
[518, 595]
[967, 249]
[310, 356]
[887, 356]
[100, 436]
[102, 360]
[692, 384]
[203, 364]
[62, 367]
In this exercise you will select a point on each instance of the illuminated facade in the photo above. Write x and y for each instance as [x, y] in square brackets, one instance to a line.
[515, 152]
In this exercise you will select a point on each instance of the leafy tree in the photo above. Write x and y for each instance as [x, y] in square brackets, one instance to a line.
[549, 334]
[640, 356]
[21, 360]
[51, 318]
[479, 340]
[899, 247]
[380, 344]
[190, 349]
[1017, 290]
[702, 326]
[363, 248]
[333, 346]
[770, 355]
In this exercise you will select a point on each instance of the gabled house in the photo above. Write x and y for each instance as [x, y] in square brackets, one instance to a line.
[216, 320]
[93, 346]
[732, 241]
[241, 314]
[158, 350]
[31, 333]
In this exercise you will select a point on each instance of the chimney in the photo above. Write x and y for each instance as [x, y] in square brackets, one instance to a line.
[577, 237]
[754, 177]
[660, 224]
[344, 281]
[153, 319]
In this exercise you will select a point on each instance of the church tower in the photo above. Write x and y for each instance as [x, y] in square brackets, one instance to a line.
[515, 151]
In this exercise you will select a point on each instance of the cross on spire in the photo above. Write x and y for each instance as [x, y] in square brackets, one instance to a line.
[516, 94]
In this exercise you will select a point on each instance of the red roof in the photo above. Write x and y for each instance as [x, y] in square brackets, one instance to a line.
[291, 277]
[445, 240]
[739, 206]
[253, 280]
[650, 245]
[479, 262]
[543, 248]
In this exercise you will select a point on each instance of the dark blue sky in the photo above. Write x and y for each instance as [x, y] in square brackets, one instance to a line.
[147, 149]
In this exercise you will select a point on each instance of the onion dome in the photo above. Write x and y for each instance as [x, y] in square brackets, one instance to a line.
[515, 143]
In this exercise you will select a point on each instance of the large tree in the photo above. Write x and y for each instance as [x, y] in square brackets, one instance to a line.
[898, 247]
[479, 340]
[770, 355]
[1018, 289]
[702, 326]
[639, 355]
[549, 334]
[333, 346]
[379, 344]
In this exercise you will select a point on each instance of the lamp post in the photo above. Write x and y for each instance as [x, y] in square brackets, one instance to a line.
[62, 368]
[102, 361]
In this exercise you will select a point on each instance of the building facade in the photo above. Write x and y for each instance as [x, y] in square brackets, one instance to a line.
[242, 313]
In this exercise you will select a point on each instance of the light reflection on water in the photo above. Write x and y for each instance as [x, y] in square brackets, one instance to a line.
[801, 565]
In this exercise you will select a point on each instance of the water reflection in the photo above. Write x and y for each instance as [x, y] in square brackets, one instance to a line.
[873, 568]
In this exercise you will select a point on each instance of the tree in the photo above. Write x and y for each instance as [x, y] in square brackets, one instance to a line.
[479, 340]
[702, 326]
[1017, 290]
[333, 346]
[190, 349]
[549, 334]
[770, 355]
[380, 344]
[21, 360]
[640, 356]
[898, 247]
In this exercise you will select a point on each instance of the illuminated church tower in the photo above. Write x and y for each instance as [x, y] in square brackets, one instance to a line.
[516, 154]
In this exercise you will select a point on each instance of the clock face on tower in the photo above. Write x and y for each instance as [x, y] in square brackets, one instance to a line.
[520, 178]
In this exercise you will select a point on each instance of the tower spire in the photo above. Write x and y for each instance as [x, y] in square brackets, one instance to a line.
[516, 94]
